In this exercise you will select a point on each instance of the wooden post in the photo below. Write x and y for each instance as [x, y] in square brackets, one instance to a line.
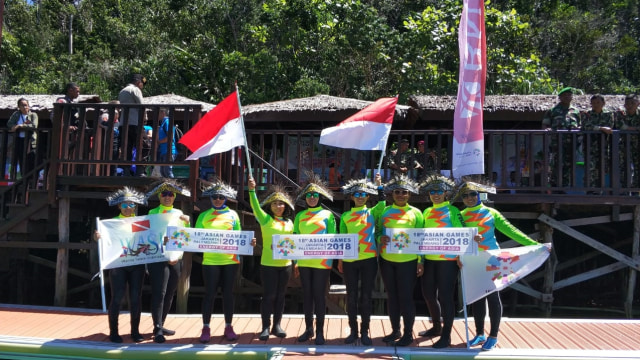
[183, 284]
[550, 268]
[635, 249]
[62, 265]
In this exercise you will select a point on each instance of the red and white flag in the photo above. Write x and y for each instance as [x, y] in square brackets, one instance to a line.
[468, 135]
[494, 270]
[368, 129]
[219, 130]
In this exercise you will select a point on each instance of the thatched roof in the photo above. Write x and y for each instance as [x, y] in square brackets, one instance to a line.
[516, 103]
[40, 102]
[173, 99]
[319, 107]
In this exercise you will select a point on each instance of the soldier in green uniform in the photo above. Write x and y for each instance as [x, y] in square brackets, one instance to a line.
[563, 116]
[598, 119]
[629, 120]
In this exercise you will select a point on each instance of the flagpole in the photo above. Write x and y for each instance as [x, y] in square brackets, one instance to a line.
[384, 148]
[464, 302]
[246, 145]
[101, 273]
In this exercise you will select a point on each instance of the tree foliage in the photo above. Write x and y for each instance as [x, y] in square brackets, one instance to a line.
[280, 49]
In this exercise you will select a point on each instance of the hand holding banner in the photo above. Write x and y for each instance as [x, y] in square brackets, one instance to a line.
[438, 241]
[315, 246]
[210, 240]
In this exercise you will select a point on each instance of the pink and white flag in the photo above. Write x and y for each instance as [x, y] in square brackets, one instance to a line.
[468, 136]
[494, 270]
[219, 130]
[368, 129]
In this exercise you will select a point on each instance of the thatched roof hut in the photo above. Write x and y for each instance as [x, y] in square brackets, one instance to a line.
[316, 112]
[40, 104]
[500, 111]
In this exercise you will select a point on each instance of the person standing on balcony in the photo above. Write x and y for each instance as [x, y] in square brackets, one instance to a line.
[629, 120]
[563, 116]
[273, 215]
[598, 119]
[362, 221]
[399, 271]
[402, 161]
[440, 271]
[166, 153]
[314, 273]
[164, 275]
[71, 93]
[126, 279]
[23, 123]
[487, 220]
[219, 270]
[132, 94]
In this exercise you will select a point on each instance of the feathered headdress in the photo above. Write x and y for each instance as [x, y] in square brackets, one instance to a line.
[126, 194]
[315, 184]
[167, 185]
[482, 185]
[402, 182]
[360, 185]
[218, 187]
[437, 181]
[278, 193]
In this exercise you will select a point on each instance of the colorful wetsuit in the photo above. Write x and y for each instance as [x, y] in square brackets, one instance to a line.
[314, 273]
[399, 270]
[362, 221]
[441, 272]
[275, 273]
[487, 220]
[219, 269]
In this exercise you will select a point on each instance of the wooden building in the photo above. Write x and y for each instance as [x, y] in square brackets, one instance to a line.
[594, 226]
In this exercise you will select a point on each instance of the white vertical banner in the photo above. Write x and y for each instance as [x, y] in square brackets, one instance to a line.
[468, 135]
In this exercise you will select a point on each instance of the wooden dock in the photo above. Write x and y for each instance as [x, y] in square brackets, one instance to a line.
[28, 332]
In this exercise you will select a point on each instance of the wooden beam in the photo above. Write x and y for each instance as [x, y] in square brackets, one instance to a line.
[588, 275]
[527, 290]
[62, 265]
[635, 249]
[50, 264]
[634, 263]
[47, 245]
[597, 220]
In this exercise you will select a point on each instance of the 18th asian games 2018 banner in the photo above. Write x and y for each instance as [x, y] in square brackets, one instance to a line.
[494, 270]
[468, 136]
[134, 240]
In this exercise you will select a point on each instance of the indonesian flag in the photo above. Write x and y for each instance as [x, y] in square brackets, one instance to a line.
[219, 130]
[468, 136]
[494, 270]
[368, 129]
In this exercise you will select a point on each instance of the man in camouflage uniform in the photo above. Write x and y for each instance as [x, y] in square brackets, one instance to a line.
[629, 120]
[563, 116]
[598, 119]
[403, 160]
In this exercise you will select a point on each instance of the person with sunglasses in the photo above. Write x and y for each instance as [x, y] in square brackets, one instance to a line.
[273, 215]
[487, 220]
[126, 279]
[164, 275]
[440, 271]
[400, 271]
[314, 273]
[361, 220]
[219, 270]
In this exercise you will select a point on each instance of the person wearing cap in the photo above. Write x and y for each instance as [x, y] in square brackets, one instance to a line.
[314, 273]
[598, 119]
[563, 116]
[219, 270]
[132, 94]
[114, 141]
[126, 279]
[401, 162]
[399, 271]
[361, 220]
[273, 215]
[629, 120]
[164, 275]
[487, 220]
[440, 271]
